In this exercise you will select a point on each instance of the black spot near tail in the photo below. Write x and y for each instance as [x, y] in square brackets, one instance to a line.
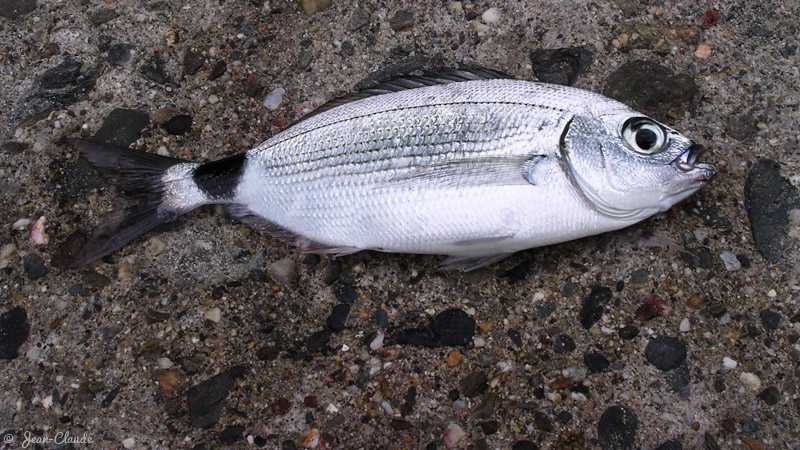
[218, 179]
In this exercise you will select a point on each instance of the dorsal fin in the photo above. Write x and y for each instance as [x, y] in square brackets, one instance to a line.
[405, 82]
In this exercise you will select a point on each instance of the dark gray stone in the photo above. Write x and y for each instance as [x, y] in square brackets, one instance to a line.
[672, 444]
[11, 9]
[561, 65]
[103, 15]
[750, 426]
[452, 327]
[617, 428]
[119, 54]
[652, 89]
[770, 319]
[231, 434]
[336, 321]
[60, 76]
[564, 344]
[318, 341]
[665, 353]
[593, 305]
[402, 20]
[742, 127]
[596, 362]
[679, 380]
[770, 395]
[154, 74]
[33, 265]
[473, 384]
[179, 124]
[640, 276]
[207, 399]
[14, 331]
[359, 18]
[122, 127]
[768, 197]
[304, 59]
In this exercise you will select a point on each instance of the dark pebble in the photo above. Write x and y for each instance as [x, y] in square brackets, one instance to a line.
[489, 427]
[11, 9]
[768, 197]
[192, 62]
[79, 290]
[103, 15]
[33, 265]
[332, 272]
[400, 424]
[515, 337]
[699, 258]
[267, 353]
[617, 428]
[402, 20]
[95, 280]
[742, 127]
[473, 384]
[716, 309]
[564, 417]
[304, 59]
[251, 42]
[759, 31]
[410, 401]
[672, 444]
[348, 49]
[640, 276]
[179, 124]
[524, 445]
[564, 344]
[593, 305]
[486, 407]
[207, 399]
[154, 74]
[710, 441]
[453, 395]
[596, 362]
[770, 395]
[359, 18]
[14, 331]
[381, 318]
[217, 70]
[119, 54]
[542, 422]
[750, 426]
[561, 65]
[122, 127]
[545, 310]
[665, 353]
[336, 321]
[109, 331]
[679, 380]
[652, 89]
[519, 272]
[452, 327]
[281, 406]
[570, 289]
[719, 383]
[770, 319]
[628, 332]
[62, 75]
[252, 86]
[655, 306]
[259, 441]
[318, 341]
[231, 434]
[347, 294]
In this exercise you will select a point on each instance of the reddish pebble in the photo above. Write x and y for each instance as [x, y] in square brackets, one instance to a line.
[452, 435]
[281, 406]
[654, 306]
[711, 18]
[400, 424]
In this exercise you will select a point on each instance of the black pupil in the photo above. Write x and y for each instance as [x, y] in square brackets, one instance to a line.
[646, 139]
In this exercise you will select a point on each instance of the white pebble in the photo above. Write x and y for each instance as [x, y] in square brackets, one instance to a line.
[491, 15]
[377, 343]
[387, 408]
[213, 99]
[40, 144]
[730, 260]
[213, 314]
[725, 319]
[274, 99]
[47, 402]
[750, 380]
[203, 245]
[164, 363]
[331, 409]
[21, 224]
[771, 293]
[480, 28]
[685, 325]
[129, 442]
[729, 363]
[456, 8]
[282, 270]
[478, 342]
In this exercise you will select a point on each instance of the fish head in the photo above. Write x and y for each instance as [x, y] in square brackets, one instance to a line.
[629, 166]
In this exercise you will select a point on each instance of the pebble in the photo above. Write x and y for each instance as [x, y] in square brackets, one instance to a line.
[154, 73]
[750, 380]
[179, 124]
[524, 445]
[491, 15]
[452, 435]
[217, 70]
[14, 331]
[122, 127]
[665, 353]
[564, 344]
[129, 442]
[283, 271]
[102, 15]
[768, 197]
[192, 62]
[473, 384]
[8, 252]
[453, 358]
[685, 325]
[311, 7]
[651, 88]
[359, 18]
[37, 235]
[163, 115]
[164, 363]
[596, 362]
[703, 51]
[170, 381]
[336, 321]
[309, 438]
[771, 396]
[729, 363]
[213, 99]
[377, 343]
[561, 65]
[119, 54]
[206, 400]
[452, 327]
[402, 20]
[730, 260]
[617, 428]
[12, 9]
[672, 444]
[654, 306]
[231, 434]
[593, 305]
[274, 99]
[770, 319]
[33, 265]
[213, 314]
[318, 341]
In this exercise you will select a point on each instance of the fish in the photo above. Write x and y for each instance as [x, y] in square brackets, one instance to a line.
[469, 163]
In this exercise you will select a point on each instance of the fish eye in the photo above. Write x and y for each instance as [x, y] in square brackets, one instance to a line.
[644, 136]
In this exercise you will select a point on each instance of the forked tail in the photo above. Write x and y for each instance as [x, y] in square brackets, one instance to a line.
[148, 182]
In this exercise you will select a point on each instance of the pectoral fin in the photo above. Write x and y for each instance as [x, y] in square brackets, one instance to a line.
[490, 171]
[469, 263]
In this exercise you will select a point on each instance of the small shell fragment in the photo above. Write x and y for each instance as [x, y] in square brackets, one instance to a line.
[38, 236]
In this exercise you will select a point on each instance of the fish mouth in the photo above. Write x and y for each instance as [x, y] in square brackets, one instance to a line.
[687, 163]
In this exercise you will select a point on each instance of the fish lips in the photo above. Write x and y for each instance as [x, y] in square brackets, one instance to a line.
[687, 163]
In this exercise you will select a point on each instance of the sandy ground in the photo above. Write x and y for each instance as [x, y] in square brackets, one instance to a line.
[187, 339]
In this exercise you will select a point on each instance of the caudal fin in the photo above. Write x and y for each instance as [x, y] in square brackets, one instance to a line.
[140, 208]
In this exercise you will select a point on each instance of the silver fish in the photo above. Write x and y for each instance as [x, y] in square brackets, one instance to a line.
[466, 163]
